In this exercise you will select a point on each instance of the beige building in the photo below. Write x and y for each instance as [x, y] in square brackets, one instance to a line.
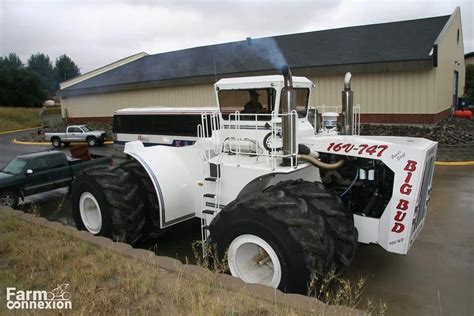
[403, 72]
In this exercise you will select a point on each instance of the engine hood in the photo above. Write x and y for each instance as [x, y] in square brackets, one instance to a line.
[5, 178]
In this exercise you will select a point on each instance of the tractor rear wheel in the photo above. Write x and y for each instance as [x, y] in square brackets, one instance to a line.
[149, 197]
[285, 236]
[106, 201]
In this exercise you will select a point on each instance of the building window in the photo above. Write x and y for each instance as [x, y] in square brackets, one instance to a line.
[457, 37]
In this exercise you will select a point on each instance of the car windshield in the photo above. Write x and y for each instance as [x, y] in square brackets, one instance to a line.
[86, 129]
[15, 166]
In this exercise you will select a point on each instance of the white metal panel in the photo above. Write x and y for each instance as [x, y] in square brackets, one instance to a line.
[176, 173]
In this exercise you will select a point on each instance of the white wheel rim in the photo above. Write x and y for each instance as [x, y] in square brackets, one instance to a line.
[253, 260]
[90, 212]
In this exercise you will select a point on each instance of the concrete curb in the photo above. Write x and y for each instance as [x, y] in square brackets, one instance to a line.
[454, 163]
[297, 301]
[19, 130]
[19, 142]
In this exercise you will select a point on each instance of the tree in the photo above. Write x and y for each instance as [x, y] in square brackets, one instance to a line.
[13, 61]
[65, 69]
[40, 64]
[19, 86]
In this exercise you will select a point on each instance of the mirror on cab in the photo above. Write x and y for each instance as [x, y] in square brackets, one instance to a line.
[29, 172]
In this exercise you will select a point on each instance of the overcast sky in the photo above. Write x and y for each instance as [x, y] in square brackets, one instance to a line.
[95, 33]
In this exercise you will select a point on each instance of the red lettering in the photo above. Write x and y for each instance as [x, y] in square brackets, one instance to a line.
[405, 189]
[411, 166]
[402, 205]
[400, 216]
[408, 178]
[398, 228]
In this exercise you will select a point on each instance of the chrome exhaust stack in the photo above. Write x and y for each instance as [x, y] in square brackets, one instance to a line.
[348, 106]
[288, 105]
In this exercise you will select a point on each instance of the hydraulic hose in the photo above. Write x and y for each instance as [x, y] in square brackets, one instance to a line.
[320, 164]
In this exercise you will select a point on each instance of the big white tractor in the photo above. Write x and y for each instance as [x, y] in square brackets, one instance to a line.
[281, 199]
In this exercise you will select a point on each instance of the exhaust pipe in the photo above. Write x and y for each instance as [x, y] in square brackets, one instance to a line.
[288, 104]
[347, 105]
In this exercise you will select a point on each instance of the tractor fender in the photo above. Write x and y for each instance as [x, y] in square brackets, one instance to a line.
[176, 173]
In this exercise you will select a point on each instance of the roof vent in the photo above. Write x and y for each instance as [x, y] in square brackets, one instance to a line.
[249, 40]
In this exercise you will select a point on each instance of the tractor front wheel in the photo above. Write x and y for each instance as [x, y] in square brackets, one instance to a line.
[292, 234]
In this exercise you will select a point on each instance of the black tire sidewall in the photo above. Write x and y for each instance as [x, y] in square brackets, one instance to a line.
[91, 138]
[78, 189]
[15, 196]
[294, 274]
[53, 142]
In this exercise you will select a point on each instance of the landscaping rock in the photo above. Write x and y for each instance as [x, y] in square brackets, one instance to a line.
[450, 131]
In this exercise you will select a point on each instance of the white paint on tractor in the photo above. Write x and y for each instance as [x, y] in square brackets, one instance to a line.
[178, 173]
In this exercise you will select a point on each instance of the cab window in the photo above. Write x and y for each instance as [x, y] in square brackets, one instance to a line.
[302, 99]
[38, 164]
[57, 161]
[247, 101]
[74, 130]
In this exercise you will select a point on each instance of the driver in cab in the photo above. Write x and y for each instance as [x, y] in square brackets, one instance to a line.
[253, 106]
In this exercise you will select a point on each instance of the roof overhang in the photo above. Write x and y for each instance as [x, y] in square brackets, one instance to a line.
[101, 70]
[396, 66]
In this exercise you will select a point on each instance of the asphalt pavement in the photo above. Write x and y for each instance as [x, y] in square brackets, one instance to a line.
[435, 278]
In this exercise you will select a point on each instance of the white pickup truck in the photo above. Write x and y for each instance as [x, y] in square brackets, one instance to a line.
[76, 133]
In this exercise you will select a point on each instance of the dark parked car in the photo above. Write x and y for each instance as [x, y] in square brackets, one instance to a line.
[40, 172]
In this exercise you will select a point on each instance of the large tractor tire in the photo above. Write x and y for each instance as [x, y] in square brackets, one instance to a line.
[106, 201]
[149, 198]
[285, 236]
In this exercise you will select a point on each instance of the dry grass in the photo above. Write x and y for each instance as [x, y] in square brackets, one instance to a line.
[13, 118]
[105, 282]
[335, 290]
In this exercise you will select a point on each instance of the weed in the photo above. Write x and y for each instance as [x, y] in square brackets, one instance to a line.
[334, 290]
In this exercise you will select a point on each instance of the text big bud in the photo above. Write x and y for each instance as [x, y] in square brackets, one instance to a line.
[402, 205]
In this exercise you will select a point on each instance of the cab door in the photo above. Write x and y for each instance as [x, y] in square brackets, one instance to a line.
[60, 170]
[74, 134]
[38, 177]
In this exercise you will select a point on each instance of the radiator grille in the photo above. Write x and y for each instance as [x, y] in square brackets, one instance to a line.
[422, 202]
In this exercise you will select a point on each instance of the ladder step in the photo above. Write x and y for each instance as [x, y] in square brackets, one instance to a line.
[208, 212]
[209, 195]
[205, 227]
[213, 179]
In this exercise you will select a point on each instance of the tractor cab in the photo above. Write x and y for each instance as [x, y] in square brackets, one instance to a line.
[259, 96]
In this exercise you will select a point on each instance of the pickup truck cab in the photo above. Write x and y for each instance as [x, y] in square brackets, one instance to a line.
[40, 172]
[76, 133]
